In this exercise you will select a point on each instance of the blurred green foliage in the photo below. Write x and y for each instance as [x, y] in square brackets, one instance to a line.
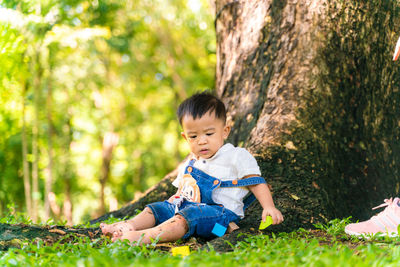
[112, 66]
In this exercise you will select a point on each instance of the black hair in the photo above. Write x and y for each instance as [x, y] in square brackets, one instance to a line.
[199, 104]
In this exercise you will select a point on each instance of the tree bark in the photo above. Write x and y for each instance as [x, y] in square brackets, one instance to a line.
[312, 91]
[110, 140]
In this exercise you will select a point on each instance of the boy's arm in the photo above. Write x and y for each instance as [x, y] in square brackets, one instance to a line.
[263, 195]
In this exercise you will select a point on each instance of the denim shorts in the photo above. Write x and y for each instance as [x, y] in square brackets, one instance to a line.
[200, 217]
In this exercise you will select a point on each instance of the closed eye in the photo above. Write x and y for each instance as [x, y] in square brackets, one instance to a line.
[209, 134]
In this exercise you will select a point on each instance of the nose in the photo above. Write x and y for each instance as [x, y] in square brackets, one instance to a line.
[202, 140]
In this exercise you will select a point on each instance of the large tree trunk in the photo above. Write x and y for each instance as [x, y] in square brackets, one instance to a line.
[312, 92]
[266, 51]
[311, 89]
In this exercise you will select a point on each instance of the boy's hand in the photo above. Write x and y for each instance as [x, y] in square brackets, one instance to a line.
[276, 215]
[171, 199]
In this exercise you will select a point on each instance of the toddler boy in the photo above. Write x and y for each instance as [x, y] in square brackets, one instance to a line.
[211, 186]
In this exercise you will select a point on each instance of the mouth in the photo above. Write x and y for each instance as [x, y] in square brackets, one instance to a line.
[203, 151]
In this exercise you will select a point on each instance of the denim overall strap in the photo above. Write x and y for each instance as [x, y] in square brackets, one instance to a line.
[191, 162]
[248, 200]
[245, 182]
[206, 194]
[205, 182]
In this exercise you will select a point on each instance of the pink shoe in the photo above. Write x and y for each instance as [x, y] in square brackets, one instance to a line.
[384, 223]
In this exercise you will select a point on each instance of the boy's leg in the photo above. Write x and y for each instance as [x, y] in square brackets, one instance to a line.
[143, 220]
[170, 230]
[202, 218]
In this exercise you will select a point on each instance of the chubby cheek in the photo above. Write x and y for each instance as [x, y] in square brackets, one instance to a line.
[217, 143]
[193, 147]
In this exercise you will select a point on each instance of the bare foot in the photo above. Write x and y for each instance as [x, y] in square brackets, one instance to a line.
[170, 230]
[131, 236]
[116, 236]
[120, 227]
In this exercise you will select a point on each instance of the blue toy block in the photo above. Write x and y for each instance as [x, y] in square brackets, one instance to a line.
[218, 230]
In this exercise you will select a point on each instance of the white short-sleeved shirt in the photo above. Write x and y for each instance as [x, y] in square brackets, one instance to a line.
[229, 163]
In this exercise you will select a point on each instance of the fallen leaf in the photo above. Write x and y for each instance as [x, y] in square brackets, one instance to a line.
[294, 197]
[58, 231]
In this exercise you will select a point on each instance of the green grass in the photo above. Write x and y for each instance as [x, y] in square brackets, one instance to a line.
[327, 245]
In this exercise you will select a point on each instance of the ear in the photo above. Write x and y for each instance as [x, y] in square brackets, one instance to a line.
[226, 131]
[184, 135]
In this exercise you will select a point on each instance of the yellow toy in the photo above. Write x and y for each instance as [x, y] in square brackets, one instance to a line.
[264, 224]
[183, 251]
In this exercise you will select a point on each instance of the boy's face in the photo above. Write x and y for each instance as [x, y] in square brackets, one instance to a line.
[205, 135]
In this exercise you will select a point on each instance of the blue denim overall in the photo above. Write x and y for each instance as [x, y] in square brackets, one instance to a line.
[208, 184]
[202, 217]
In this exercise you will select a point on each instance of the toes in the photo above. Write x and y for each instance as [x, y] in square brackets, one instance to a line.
[104, 228]
[116, 236]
